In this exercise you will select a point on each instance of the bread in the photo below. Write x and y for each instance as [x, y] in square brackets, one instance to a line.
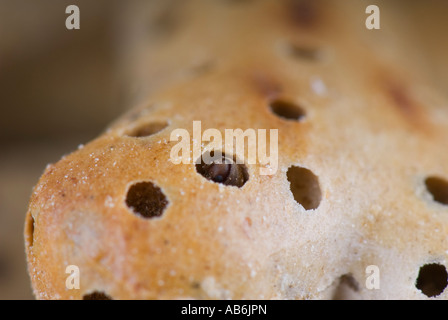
[362, 173]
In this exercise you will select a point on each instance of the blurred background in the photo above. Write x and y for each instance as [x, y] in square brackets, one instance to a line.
[60, 88]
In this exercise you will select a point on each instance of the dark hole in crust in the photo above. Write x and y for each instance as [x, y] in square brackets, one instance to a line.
[225, 171]
[146, 200]
[438, 187]
[30, 230]
[349, 281]
[96, 295]
[287, 110]
[432, 279]
[201, 68]
[147, 129]
[304, 52]
[303, 13]
[166, 20]
[346, 287]
[305, 187]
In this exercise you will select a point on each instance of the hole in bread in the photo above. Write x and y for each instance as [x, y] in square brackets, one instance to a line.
[200, 68]
[347, 288]
[147, 129]
[96, 295]
[146, 199]
[438, 188]
[287, 110]
[432, 279]
[225, 170]
[30, 230]
[304, 52]
[305, 187]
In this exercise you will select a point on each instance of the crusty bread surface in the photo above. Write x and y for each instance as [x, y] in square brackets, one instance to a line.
[373, 131]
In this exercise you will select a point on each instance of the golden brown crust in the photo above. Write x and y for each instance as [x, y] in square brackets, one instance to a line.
[370, 140]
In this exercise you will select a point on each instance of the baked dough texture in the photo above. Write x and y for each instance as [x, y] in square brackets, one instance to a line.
[353, 186]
